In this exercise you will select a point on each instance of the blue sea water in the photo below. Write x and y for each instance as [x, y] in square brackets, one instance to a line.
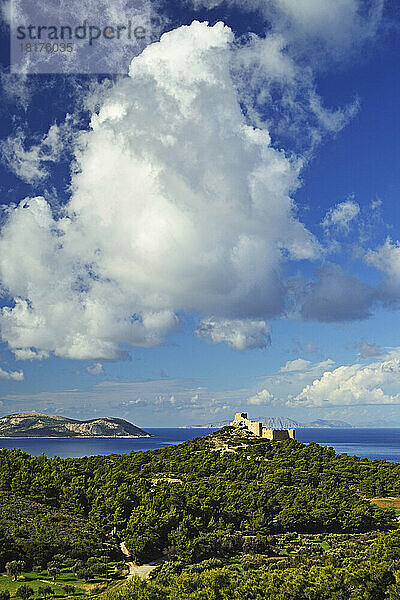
[367, 443]
[78, 447]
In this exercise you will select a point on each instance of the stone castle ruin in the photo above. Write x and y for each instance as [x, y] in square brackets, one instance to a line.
[257, 428]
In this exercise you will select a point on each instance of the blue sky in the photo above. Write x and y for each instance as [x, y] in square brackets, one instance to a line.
[216, 230]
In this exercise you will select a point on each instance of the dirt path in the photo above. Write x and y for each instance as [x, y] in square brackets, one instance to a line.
[142, 571]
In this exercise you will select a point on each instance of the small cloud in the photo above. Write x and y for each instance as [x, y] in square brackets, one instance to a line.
[13, 375]
[295, 365]
[262, 397]
[376, 204]
[341, 215]
[305, 347]
[301, 370]
[241, 334]
[30, 354]
[95, 369]
[386, 258]
[17, 88]
[29, 164]
[367, 350]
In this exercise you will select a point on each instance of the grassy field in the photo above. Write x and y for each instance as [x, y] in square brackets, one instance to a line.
[325, 546]
[66, 577]
[389, 502]
[31, 579]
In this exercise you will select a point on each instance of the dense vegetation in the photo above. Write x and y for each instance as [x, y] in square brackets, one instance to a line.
[47, 551]
[233, 517]
[202, 498]
[34, 532]
[348, 568]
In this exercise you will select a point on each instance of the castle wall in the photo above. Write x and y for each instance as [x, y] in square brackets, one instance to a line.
[266, 433]
[256, 427]
[278, 435]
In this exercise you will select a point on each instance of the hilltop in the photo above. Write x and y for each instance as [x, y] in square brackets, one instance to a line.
[42, 425]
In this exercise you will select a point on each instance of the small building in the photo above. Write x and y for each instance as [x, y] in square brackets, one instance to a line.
[259, 430]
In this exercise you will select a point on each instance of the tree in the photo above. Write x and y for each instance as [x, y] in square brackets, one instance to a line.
[78, 566]
[24, 591]
[15, 568]
[120, 568]
[45, 590]
[53, 571]
[37, 568]
[68, 589]
[98, 568]
[69, 562]
[4, 595]
[84, 574]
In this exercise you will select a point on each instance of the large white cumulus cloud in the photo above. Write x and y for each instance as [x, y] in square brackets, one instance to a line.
[357, 384]
[176, 205]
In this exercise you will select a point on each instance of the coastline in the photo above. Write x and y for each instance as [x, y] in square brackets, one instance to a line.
[73, 437]
[372, 444]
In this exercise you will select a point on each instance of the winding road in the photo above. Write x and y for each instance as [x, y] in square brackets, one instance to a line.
[142, 571]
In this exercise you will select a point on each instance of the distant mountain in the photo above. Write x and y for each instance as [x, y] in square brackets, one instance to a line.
[278, 423]
[216, 425]
[40, 425]
[332, 423]
[285, 423]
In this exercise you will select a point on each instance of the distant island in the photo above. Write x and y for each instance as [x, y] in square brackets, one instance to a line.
[279, 423]
[54, 426]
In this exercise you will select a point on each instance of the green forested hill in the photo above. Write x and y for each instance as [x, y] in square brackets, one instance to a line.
[207, 501]
[224, 482]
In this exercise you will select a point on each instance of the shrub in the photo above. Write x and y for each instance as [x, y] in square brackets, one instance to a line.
[24, 591]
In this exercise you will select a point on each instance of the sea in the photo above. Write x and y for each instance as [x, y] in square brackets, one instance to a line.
[367, 443]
